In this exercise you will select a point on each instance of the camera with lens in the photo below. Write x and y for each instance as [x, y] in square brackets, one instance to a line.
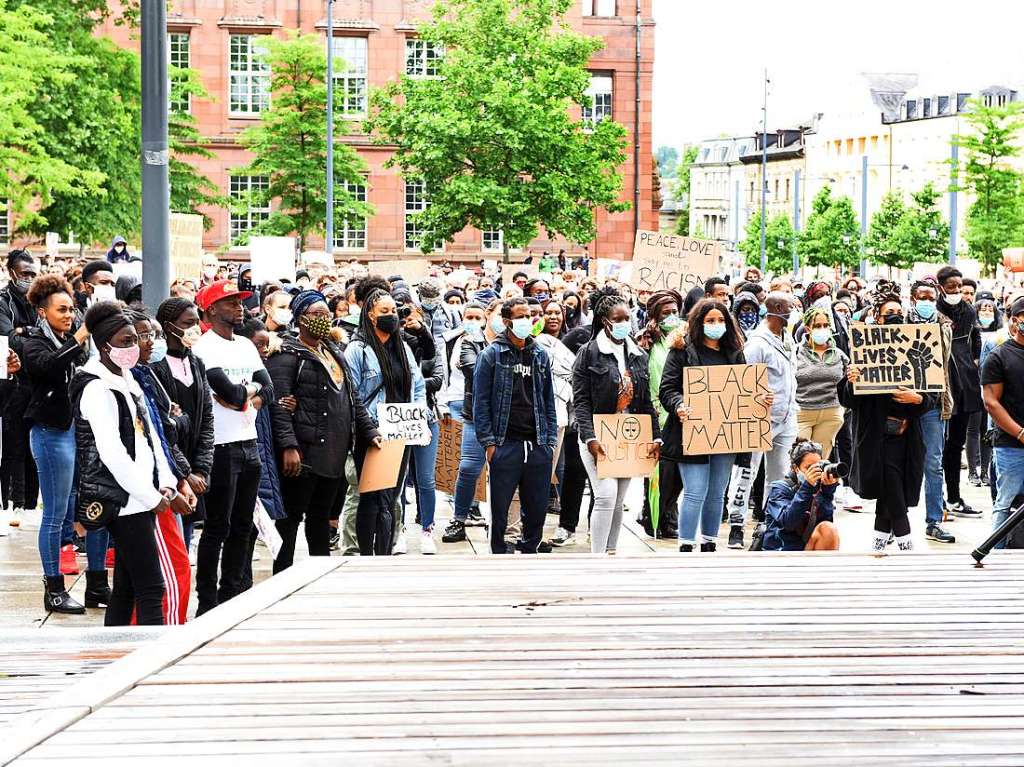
[404, 311]
[831, 470]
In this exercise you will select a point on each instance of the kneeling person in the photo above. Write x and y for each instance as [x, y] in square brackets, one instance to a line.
[798, 514]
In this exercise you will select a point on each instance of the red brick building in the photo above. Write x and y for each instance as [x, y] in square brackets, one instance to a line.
[377, 39]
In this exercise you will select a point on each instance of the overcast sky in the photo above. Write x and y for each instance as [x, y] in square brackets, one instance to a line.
[710, 56]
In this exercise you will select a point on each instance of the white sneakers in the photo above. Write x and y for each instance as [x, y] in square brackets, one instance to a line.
[401, 546]
[427, 543]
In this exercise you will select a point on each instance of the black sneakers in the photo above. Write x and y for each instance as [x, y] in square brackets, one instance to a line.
[708, 546]
[685, 548]
[936, 533]
[475, 518]
[961, 509]
[455, 532]
[736, 537]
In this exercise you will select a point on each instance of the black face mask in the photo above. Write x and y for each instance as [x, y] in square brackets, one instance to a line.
[387, 323]
[244, 283]
[893, 319]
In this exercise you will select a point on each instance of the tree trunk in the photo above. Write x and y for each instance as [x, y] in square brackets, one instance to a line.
[504, 251]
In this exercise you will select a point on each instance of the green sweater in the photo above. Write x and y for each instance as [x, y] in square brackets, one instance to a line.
[655, 366]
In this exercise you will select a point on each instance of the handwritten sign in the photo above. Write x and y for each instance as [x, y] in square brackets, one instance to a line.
[894, 356]
[663, 261]
[186, 245]
[729, 413]
[381, 466]
[626, 440]
[449, 454]
[406, 421]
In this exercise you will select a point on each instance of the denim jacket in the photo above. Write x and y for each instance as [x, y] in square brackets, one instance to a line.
[492, 394]
[365, 369]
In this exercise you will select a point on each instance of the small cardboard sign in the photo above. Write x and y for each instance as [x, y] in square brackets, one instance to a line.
[662, 261]
[381, 466]
[893, 356]
[626, 440]
[449, 454]
[186, 245]
[407, 421]
[728, 409]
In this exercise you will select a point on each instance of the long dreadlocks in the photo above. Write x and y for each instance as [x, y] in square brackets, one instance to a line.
[397, 383]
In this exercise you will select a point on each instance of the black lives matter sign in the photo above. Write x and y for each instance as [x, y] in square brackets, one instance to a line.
[893, 357]
[728, 409]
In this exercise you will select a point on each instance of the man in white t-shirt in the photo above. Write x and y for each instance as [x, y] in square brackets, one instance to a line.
[241, 386]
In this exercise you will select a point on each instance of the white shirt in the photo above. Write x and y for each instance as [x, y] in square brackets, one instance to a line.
[239, 360]
[99, 408]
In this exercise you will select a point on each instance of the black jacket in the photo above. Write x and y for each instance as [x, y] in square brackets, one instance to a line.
[965, 378]
[595, 386]
[194, 427]
[49, 371]
[427, 351]
[16, 312]
[94, 481]
[328, 419]
[469, 350]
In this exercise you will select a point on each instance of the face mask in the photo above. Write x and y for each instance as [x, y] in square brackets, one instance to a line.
[954, 299]
[429, 305]
[209, 272]
[669, 323]
[795, 316]
[159, 350]
[925, 309]
[821, 336]
[522, 328]
[620, 330]
[542, 297]
[715, 331]
[799, 292]
[762, 310]
[498, 324]
[317, 325]
[538, 327]
[281, 316]
[472, 327]
[1020, 327]
[801, 477]
[190, 335]
[125, 357]
[985, 320]
[748, 319]
[387, 323]
[103, 293]
[22, 286]
[893, 319]
[244, 283]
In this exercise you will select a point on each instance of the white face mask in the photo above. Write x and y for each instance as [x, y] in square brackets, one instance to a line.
[103, 293]
[281, 316]
[953, 298]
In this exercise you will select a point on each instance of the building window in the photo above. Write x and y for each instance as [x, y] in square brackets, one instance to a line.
[776, 190]
[178, 56]
[751, 191]
[598, 7]
[961, 101]
[600, 94]
[351, 234]
[241, 187]
[493, 240]
[926, 108]
[415, 202]
[422, 58]
[787, 190]
[249, 89]
[943, 105]
[911, 109]
[5, 223]
[350, 79]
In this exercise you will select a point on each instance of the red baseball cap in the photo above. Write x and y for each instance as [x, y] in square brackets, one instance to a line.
[218, 291]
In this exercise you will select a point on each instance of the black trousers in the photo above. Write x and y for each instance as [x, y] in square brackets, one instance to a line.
[891, 506]
[979, 454]
[227, 532]
[956, 437]
[524, 467]
[312, 497]
[375, 514]
[574, 480]
[19, 482]
[138, 582]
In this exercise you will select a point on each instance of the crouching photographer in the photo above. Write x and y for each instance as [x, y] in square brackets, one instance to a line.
[798, 515]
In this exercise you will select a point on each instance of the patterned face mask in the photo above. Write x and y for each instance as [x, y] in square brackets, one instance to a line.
[317, 325]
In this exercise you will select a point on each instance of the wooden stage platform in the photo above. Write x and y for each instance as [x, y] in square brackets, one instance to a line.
[757, 660]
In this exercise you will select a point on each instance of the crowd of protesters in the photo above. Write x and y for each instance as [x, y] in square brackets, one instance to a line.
[150, 436]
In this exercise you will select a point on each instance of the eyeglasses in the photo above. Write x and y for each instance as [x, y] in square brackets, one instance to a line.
[147, 336]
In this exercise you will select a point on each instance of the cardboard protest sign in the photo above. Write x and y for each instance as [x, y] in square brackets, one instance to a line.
[381, 466]
[272, 258]
[449, 453]
[663, 261]
[532, 271]
[614, 269]
[186, 245]
[729, 413]
[626, 440]
[405, 421]
[894, 356]
[412, 270]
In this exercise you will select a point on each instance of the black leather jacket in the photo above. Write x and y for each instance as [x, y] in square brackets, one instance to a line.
[595, 386]
[49, 371]
[94, 480]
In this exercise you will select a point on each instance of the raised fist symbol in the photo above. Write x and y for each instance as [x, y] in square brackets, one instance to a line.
[921, 358]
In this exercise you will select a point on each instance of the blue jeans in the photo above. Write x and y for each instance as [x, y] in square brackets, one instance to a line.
[1009, 463]
[424, 462]
[471, 465]
[934, 432]
[704, 486]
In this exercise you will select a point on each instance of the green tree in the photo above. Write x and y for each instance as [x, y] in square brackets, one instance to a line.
[190, 189]
[884, 237]
[832, 235]
[924, 233]
[995, 219]
[681, 189]
[667, 158]
[779, 230]
[290, 146]
[491, 137]
[30, 65]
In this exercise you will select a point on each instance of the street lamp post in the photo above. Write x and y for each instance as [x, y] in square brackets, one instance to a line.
[796, 221]
[156, 189]
[329, 244]
[863, 214]
[764, 175]
[954, 172]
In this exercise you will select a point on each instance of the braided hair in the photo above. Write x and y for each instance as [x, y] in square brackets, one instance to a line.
[801, 449]
[884, 292]
[394, 381]
[171, 308]
[604, 300]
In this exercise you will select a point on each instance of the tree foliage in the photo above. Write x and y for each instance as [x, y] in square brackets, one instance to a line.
[492, 137]
[779, 229]
[681, 188]
[667, 158]
[832, 235]
[903, 235]
[883, 241]
[190, 189]
[290, 145]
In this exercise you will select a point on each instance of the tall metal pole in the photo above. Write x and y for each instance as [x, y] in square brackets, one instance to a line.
[329, 243]
[156, 190]
[636, 124]
[863, 214]
[736, 215]
[764, 176]
[796, 221]
[954, 177]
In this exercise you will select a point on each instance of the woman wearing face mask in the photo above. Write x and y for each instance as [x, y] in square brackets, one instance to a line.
[553, 322]
[888, 461]
[122, 470]
[384, 370]
[183, 376]
[820, 367]
[979, 451]
[610, 376]
[277, 314]
[51, 353]
[314, 441]
[798, 515]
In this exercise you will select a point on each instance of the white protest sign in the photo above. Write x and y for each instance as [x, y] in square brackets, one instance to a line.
[406, 421]
[266, 529]
[663, 261]
[272, 258]
[3, 357]
[186, 245]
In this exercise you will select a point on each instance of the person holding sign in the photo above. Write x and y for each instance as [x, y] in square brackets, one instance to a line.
[712, 338]
[888, 462]
[609, 376]
[798, 514]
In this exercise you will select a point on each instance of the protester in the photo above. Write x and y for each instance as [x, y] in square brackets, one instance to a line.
[799, 511]
[118, 253]
[820, 366]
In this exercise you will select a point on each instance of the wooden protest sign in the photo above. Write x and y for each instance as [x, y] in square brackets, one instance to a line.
[729, 412]
[663, 261]
[381, 466]
[894, 356]
[186, 246]
[449, 453]
[626, 440]
[407, 421]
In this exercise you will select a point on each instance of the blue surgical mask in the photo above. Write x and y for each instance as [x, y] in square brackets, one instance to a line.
[762, 310]
[925, 309]
[472, 327]
[620, 330]
[522, 328]
[498, 324]
[801, 477]
[714, 331]
[429, 305]
[821, 336]
[985, 321]
[159, 350]
[1020, 327]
